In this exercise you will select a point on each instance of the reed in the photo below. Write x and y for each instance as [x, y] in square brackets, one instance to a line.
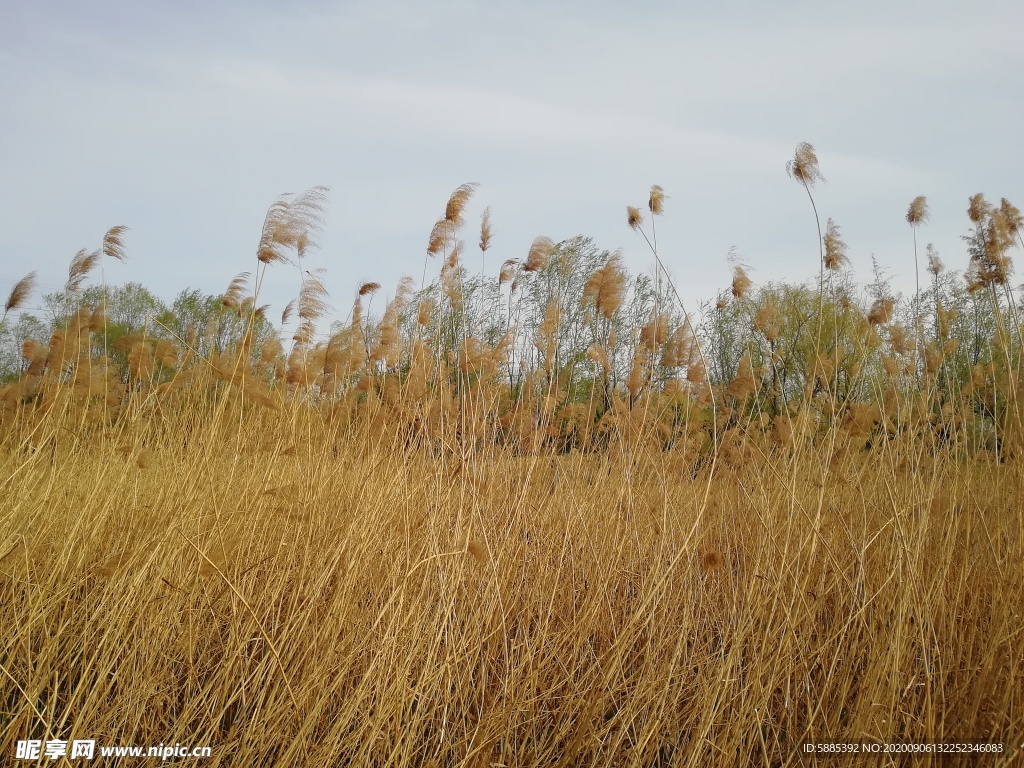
[576, 529]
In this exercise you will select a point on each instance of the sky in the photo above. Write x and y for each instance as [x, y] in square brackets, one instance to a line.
[185, 121]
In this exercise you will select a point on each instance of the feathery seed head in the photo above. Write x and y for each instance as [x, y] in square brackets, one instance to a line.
[274, 225]
[935, 265]
[696, 373]
[313, 297]
[457, 204]
[286, 315]
[540, 251]
[81, 265]
[606, 287]
[804, 165]
[782, 430]
[113, 244]
[899, 340]
[271, 350]
[439, 236]
[944, 319]
[978, 208]
[426, 309]
[485, 230]
[633, 217]
[766, 320]
[290, 222]
[598, 354]
[20, 292]
[745, 383]
[32, 350]
[881, 311]
[656, 203]
[741, 282]
[453, 258]
[366, 288]
[681, 347]
[405, 291]
[303, 336]
[508, 271]
[654, 334]
[235, 293]
[917, 213]
[140, 360]
[1011, 216]
[835, 248]
[97, 319]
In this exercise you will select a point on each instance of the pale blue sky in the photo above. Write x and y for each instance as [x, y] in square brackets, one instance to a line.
[185, 120]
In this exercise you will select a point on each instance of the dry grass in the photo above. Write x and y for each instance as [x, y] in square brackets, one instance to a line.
[292, 593]
[313, 560]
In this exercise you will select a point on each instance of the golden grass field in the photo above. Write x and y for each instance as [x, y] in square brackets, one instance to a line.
[407, 566]
[297, 597]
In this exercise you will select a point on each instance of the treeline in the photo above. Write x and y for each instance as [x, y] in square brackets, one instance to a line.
[562, 342]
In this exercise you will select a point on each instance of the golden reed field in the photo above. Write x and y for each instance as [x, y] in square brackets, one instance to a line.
[536, 517]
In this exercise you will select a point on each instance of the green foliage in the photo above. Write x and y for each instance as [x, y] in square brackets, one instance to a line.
[12, 336]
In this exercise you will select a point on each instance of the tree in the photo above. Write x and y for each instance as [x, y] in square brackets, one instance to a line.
[13, 336]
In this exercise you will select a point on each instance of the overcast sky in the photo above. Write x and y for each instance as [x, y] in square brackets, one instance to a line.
[185, 120]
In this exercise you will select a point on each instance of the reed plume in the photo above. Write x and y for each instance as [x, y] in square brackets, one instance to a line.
[453, 212]
[917, 214]
[656, 202]
[804, 169]
[443, 546]
[767, 319]
[680, 349]
[633, 217]
[113, 243]
[286, 314]
[439, 236]
[366, 288]
[744, 383]
[81, 265]
[290, 223]
[540, 251]
[19, 294]
[978, 208]
[741, 282]
[606, 287]
[508, 271]
[237, 288]
[1012, 220]
[485, 230]
[804, 165]
[654, 333]
[881, 311]
[990, 265]
[313, 296]
[835, 248]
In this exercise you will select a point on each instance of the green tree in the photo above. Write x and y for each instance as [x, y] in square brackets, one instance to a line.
[13, 336]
